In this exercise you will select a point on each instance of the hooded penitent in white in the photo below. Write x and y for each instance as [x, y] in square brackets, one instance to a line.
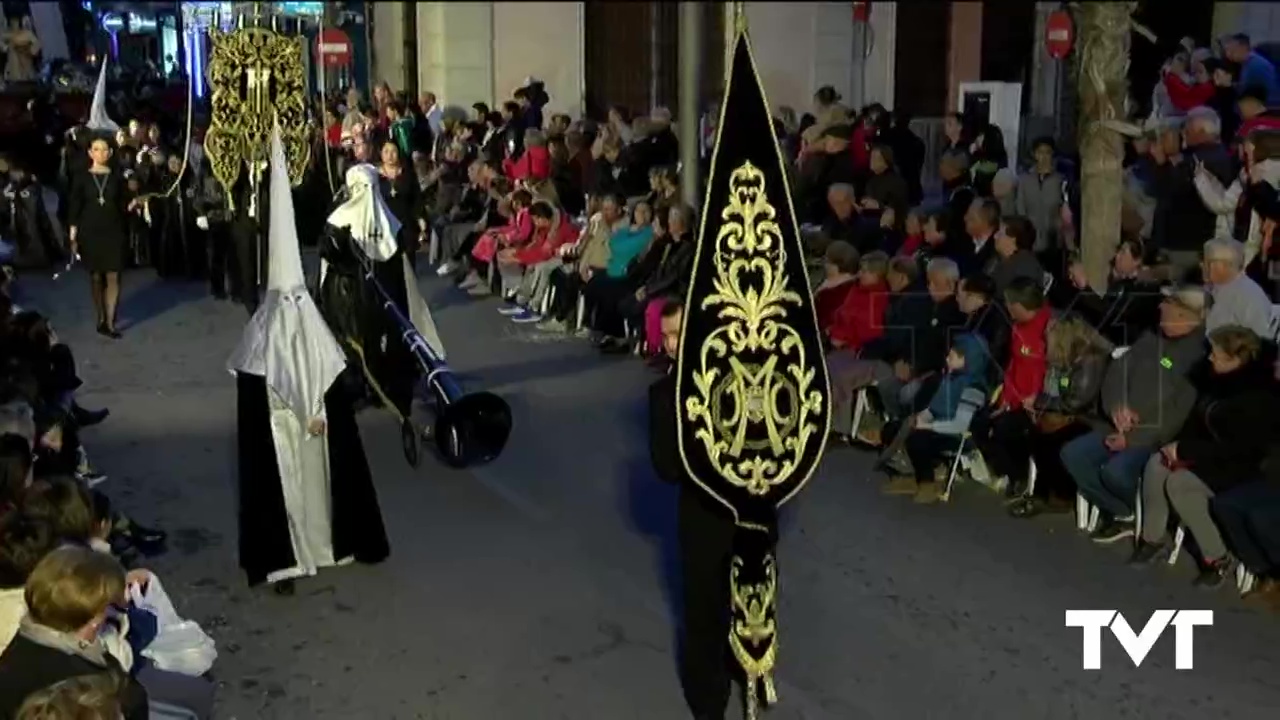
[99, 121]
[287, 341]
[374, 229]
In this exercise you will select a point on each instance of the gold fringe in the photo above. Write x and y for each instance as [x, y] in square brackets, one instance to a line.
[368, 376]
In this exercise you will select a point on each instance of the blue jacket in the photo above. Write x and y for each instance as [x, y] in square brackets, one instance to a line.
[946, 401]
[1257, 70]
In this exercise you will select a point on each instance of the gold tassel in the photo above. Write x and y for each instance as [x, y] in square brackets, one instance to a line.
[368, 376]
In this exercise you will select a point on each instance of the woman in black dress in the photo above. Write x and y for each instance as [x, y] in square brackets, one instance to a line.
[99, 202]
[403, 197]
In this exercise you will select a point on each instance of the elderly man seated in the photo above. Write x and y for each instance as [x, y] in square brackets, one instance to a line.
[1237, 299]
[1146, 396]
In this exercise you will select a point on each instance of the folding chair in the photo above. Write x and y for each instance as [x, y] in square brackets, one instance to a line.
[582, 312]
[1047, 283]
[548, 300]
[1178, 538]
[966, 444]
[433, 248]
[1245, 580]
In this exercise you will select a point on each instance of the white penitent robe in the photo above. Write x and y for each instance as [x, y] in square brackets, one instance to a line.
[303, 460]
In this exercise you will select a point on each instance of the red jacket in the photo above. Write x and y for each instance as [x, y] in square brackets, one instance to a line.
[827, 300]
[860, 318]
[1024, 375]
[860, 147]
[545, 243]
[1268, 120]
[1185, 96]
[534, 164]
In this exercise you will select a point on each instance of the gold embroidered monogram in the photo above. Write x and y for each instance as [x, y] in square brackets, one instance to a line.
[754, 418]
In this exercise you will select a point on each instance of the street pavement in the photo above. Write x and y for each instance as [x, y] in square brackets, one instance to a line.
[542, 586]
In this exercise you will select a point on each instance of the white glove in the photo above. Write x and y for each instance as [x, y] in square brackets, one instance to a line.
[202, 222]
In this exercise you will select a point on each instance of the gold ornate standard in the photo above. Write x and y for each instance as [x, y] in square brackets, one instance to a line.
[751, 381]
[258, 80]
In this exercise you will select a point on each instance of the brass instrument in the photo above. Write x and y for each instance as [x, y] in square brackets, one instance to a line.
[258, 80]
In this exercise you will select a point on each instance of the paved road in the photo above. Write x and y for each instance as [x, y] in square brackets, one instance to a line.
[539, 587]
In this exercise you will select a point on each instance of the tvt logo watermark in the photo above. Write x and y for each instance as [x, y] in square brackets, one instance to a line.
[1138, 645]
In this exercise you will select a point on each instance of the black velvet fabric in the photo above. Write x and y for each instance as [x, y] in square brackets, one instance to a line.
[746, 136]
[356, 522]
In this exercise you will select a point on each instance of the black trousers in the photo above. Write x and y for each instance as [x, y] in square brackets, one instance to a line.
[925, 448]
[1002, 440]
[568, 285]
[604, 297]
[464, 250]
[223, 262]
[706, 552]
[245, 240]
[1052, 480]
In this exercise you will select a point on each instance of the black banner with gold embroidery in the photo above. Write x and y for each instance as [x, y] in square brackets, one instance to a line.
[751, 381]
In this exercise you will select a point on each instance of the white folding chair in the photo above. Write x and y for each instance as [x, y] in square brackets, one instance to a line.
[1245, 580]
[582, 312]
[548, 298]
[955, 466]
[861, 404]
[1275, 322]
[1179, 537]
[1086, 514]
[1047, 283]
[1032, 472]
[433, 248]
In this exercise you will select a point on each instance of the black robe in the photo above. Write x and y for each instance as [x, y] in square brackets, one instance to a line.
[354, 310]
[356, 523]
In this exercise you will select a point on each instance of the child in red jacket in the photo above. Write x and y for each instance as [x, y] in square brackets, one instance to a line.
[861, 318]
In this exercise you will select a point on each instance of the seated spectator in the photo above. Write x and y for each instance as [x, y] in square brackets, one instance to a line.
[914, 346]
[935, 241]
[1077, 357]
[1237, 299]
[1255, 70]
[976, 253]
[1039, 197]
[68, 595]
[1130, 305]
[515, 233]
[953, 169]
[1001, 434]
[1256, 113]
[936, 430]
[604, 291]
[1183, 219]
[976, 296]
[1248, 517]
[860, 318]
[1221, 445]
[1146, 396]
[842, 223]
[841, 271]
[829, 164]
[83, 697]
[669, 279]
[589, 257]
[886, 190]
[534, 164]
[911, 241]
[1004, 187]
[1015, 258]
[526, 271]
[851, 371]
[23, 542]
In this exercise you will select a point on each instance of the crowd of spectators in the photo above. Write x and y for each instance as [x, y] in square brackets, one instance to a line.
[964, 339]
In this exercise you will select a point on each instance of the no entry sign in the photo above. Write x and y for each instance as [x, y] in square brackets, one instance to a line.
[1059, 34]
[333, 48]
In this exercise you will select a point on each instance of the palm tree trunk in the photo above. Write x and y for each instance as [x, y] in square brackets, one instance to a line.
[1103, 85]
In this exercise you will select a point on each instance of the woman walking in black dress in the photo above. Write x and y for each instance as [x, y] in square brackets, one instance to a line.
[99, 202]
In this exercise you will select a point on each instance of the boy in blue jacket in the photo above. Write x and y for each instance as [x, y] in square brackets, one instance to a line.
[937, 430]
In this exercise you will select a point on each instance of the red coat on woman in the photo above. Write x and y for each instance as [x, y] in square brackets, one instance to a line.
[861, 318]
[545, 244]
[534, 164]
[828, 299]
[515, 232]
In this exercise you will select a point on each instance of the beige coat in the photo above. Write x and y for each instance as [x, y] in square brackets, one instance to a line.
[13, 607]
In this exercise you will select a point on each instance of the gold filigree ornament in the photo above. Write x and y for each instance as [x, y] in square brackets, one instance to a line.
[258, 80]
[755, 419]
[753, 635]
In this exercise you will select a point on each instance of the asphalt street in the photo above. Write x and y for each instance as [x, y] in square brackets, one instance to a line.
[542, 586]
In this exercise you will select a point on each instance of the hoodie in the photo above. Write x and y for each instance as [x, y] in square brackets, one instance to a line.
[961, 392]
[1152, 380]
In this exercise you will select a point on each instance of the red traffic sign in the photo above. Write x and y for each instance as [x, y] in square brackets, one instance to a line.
[333, 48]
[1059, 34]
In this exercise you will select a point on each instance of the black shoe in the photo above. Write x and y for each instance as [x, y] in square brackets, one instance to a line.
[1145, 552]
[1214, 574]
[88, 418]
[284, 588]
[139, 534]
[1110, 531]
[112, 333]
